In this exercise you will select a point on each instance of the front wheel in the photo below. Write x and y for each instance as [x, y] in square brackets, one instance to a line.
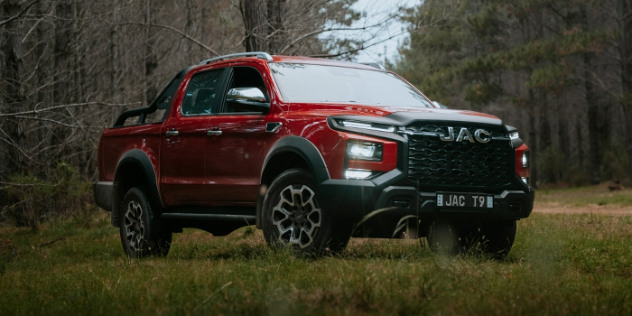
[141, 234]
[293, 216]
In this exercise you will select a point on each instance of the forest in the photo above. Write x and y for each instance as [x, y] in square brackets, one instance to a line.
[560, 71]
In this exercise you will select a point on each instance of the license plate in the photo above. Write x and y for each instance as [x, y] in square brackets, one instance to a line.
[465, 200]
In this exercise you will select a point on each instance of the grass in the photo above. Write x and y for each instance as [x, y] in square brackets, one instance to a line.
[585, 196]
[561, 264]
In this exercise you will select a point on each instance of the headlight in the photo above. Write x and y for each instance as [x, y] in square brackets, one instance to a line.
[514, 135]
[525, 159]
[359, 150]
[367, 126]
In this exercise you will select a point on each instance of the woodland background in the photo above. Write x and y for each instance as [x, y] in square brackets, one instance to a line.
[560, 71]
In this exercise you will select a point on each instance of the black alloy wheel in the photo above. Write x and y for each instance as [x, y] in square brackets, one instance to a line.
[140, 230]
[293, 217]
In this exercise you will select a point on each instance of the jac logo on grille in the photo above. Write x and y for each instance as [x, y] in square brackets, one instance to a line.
[481, 135]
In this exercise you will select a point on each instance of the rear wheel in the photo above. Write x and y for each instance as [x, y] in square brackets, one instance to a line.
[498, 237]
[140, 230]
[340, 236]
[293, 217]
[494, 238]
[443, 237]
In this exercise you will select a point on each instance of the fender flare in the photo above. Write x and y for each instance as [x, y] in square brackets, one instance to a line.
[142, 161]
[301, 147]
[304, 148]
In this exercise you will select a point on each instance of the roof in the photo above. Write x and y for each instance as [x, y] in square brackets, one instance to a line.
[265, 57]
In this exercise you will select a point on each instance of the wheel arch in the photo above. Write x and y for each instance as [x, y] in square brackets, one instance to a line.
[134, 169]
[290, 152]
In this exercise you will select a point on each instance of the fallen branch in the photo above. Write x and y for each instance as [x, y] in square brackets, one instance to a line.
[52, 242]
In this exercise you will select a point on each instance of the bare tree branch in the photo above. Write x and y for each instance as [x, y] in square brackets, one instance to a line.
[183, 34]
[362, 47]
[304, 36]
[19, 14]
[63, 107]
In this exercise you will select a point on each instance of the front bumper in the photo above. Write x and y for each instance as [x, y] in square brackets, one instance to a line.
[382, 203]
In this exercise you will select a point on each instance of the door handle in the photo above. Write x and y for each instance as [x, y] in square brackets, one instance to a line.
[171, 133]
[214, 133]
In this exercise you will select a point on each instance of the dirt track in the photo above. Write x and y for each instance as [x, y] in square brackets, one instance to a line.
[554, 208]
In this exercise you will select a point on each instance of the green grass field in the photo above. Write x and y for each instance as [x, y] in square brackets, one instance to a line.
[561, 264]
[584, 196]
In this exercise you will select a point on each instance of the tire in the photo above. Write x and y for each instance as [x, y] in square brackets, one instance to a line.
[443, 237]
[340, 236]
[498, 237]
[293, 217]
[140, 229]
[493, 238]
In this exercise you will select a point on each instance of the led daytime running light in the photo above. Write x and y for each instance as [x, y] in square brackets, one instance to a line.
[514, 135]
[367, 126]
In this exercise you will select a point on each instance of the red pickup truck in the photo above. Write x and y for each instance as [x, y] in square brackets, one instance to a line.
[312, 151]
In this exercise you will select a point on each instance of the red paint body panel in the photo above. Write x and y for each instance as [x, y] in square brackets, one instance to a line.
[183, 161]
[116, 142]
[520, 170]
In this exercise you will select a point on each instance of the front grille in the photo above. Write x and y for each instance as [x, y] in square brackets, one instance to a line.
[433, 162]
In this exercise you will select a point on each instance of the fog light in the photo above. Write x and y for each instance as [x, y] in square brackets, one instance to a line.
[357, 174]
[525, 159]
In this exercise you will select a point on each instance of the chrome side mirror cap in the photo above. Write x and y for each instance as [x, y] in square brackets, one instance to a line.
[250, 99]
[249, 94]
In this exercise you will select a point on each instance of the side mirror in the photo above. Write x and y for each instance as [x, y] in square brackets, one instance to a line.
[248, 99]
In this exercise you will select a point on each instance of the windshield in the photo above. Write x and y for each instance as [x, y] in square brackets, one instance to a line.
[316, 83]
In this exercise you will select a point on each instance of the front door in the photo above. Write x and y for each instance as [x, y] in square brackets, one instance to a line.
[237, 147]
[184, 140]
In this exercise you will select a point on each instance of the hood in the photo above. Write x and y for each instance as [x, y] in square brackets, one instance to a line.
[392, 115]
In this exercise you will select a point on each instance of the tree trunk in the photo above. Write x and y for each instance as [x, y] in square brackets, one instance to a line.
[15, 101]
[43, 40]
[580, 143]
[596, 150]
[255, 24]
[546, 175]
[563, 141]
[275, 20]
[62, 93]
[533, 145]
[151, 60]
[625, 10]
[113, 50]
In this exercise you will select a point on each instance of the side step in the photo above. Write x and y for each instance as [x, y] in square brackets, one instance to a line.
[211, 217]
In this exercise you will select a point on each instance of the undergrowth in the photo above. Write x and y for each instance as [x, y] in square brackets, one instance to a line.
[560, 264]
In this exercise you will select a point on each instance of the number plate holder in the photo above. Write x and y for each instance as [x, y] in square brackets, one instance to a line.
[464, 200]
